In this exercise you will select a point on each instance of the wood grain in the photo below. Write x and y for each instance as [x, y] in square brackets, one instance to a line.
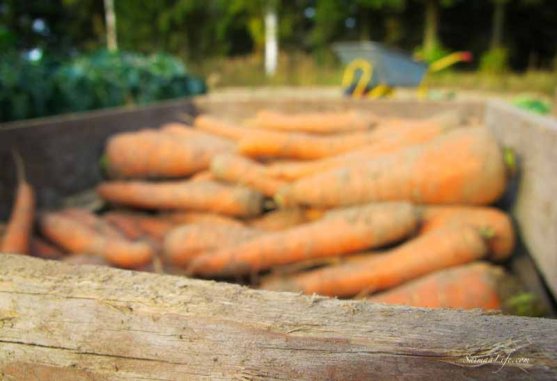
[67, 322]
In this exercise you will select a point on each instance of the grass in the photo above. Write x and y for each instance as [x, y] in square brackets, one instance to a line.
[300, 69]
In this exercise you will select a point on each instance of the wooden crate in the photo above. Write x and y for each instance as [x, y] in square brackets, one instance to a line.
[59, 321]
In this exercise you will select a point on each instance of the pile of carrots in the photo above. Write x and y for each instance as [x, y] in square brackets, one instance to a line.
[345, 204]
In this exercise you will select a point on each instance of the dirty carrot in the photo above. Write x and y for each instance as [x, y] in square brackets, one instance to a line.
[17, 235]
[207, 196]
[42, 249]
[397, 139]
[495, 224]
[203, 176]
[180, 218]
[239, 170]
[92, 221]
[281, 219]
[304, 146]
[136, 226]
[436, 250]
[464, 287]
[461, 167]
[340, 232]
[183, 130]
[77, 238]
[220, 127]
[314, 122]
[186, 242]
[153, 154]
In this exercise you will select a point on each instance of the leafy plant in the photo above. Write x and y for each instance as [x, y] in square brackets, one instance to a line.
[102, 79]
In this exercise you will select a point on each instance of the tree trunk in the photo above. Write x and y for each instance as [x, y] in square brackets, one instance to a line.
[431, 28]
[110, 16]
[271, 39]
[498, 24]
[365, 28]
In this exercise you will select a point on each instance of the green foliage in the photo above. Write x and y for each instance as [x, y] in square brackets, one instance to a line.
[531, 104]
[495, 61]
[431, 55]
[525, 304]
[103, 79]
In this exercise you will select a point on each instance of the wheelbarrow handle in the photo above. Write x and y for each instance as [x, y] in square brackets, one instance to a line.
[350, 72]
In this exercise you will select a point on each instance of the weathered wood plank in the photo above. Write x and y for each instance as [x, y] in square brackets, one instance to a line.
[534, 139]
[62, 153]
[240, 107]
[59, 321]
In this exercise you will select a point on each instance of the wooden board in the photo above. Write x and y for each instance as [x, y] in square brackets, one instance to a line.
[62, 153]
[533, 201]
[62, 322]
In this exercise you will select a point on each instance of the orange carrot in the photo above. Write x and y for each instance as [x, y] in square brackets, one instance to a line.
[205, 196]
[180, 218]
[298, 145]
[238, 170]
[220, 127]
[462, 167]
[396, 140]
[183, 130]
[464, 287]
[186, 242]
[78, 238]
[42, 249]
[307, 146]
[439, 249]
[494, 223]
[281, 219]
[203, 176]
[152, 154]
[93, 222]
[314, 122]
[136, 226]
[17, 235]
[340, 232]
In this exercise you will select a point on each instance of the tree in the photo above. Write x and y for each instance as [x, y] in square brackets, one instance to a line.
[366, 6]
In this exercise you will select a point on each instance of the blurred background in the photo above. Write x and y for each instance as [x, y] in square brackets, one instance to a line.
[61, 56]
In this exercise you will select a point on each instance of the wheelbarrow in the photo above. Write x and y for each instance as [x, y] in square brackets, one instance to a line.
[374, 70]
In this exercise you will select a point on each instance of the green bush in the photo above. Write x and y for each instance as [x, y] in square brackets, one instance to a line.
[495, 61]
[431, 55]
[103, 79]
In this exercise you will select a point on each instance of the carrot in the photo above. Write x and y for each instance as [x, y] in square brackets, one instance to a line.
[17, 235]
[465, 287]
[462, 167]
[436, 250]
[395, 140]
[185, 131]
[305, 146]
[42, 249]
[496, 224]
[340, 232]
[185, 242]
[203, 176]
[205, 196]
[314, 122]
[281, 219]
[152, 154]
[136, 226]
[93, 222]
[238, 170]
[220, 127]
[77, 238]
[181, 218]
